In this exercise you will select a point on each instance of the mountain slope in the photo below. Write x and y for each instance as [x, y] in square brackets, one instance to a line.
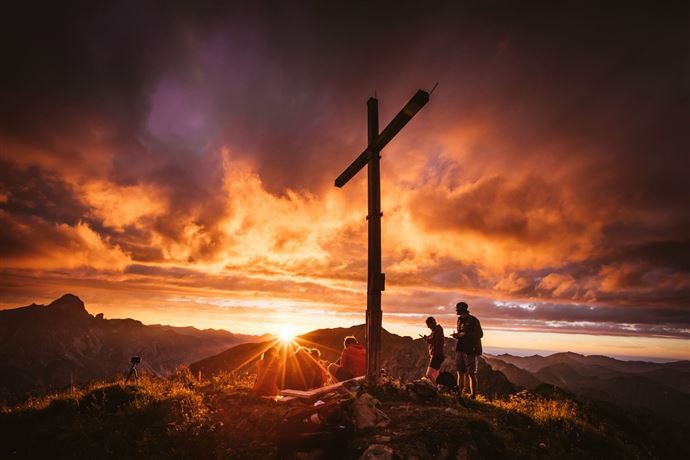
[519, 377]
[641, 394]
[48, 347]
[562, 375]
[661, 388]
[181, 418]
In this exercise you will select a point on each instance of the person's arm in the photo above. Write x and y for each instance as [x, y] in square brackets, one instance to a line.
[344, 359]
[456, 334]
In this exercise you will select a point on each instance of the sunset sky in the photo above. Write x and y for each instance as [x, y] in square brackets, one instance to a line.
[175, 164]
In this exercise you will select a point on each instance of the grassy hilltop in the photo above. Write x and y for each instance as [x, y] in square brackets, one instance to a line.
[181, 418]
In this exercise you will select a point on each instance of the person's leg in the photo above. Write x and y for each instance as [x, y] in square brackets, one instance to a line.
[343, 374]
[435, 373]
[460, 365]
[434, 368]
[472, 374]
[432, 374]
[473, 385]
[461, 383]
[333, 369]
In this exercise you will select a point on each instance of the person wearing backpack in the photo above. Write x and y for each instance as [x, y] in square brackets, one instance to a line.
[469, 348]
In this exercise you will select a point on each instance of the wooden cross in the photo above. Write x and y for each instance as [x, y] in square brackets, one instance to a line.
[371, 156]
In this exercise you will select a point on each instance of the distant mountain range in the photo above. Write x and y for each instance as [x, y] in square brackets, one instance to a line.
[45, 347]
[662, 388]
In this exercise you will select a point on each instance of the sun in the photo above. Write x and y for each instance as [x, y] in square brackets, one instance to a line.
[286, 332]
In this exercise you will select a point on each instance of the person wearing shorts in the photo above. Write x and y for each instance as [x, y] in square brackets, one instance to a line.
[435, 342]
[466, 363]
[469, 348]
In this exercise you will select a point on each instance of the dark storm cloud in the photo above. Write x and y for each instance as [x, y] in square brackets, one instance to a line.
[574, 176]
[33, 191]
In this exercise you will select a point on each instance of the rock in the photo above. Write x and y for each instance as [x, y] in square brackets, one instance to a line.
[451, 411]
[311, 455]
[467, 452]
[377, 452]
[422, 389]
[380, 438]
[366, 413]
[463, 453]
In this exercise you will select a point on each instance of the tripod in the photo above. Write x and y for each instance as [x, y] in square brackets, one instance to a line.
[133, 370]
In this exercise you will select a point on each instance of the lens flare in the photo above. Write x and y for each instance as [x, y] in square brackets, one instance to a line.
[286, 333]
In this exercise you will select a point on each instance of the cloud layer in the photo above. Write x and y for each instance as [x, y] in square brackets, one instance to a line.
[189, 153]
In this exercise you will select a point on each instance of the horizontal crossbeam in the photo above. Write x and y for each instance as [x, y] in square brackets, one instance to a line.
[405, 115]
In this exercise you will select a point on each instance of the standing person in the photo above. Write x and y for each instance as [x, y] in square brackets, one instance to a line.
[469, 347]
[435, 341]
[352, 362]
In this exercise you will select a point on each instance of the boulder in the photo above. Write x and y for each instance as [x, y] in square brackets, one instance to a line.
[366, 413]
[377, 452]
[422, 390]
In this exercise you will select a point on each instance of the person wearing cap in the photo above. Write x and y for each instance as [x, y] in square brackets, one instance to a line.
[469, 347]
[435, 342]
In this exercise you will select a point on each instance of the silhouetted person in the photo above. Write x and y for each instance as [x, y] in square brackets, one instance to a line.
[302, 372]
[267, 374]
[352, 362]
[435, 342]
[469, 347]
[316, 354]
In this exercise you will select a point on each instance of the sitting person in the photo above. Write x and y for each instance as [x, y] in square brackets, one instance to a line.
[352, 362]
[316, 354]
[267, 373]
[302, 372]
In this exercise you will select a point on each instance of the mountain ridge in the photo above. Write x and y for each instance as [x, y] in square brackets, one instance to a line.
[52, 346]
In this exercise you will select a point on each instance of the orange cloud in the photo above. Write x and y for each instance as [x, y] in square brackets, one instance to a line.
[534, 191]
[59, 246]
[118, 206]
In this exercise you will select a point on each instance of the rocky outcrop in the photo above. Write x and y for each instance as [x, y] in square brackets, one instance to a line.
[366, 413]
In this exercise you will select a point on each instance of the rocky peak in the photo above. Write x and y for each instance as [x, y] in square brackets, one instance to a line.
[68, 304]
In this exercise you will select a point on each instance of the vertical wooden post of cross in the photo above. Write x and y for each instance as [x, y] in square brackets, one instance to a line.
[374, 276]
[371, 157]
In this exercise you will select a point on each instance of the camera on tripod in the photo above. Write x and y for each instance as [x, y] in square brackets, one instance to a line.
[133, 370]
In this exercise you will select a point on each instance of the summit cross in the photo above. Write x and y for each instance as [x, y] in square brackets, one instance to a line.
[371, 156]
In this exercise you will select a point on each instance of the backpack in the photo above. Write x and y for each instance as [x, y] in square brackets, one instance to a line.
[446, 380]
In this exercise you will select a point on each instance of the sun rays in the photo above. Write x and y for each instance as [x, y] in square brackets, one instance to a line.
[286, 333]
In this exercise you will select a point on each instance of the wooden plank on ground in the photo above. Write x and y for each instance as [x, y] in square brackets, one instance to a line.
[317, 392]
